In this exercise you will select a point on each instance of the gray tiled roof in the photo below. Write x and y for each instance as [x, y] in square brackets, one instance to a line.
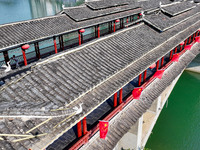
[163, 22]
[89, 74]
[84, 69]
[97, 70]
[178, 8]
[128, 116]
[102, 4]
[27, 31]
[84, 13]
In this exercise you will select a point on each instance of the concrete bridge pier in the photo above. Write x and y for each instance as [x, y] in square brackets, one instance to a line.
[139, 133]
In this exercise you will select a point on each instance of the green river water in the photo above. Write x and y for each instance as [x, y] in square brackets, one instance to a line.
[178, 125]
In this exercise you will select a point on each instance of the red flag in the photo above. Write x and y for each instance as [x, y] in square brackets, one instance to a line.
[103, 128]
[136, 93]
[197, 39]
[188, 47]
[159, 74]
[152, 66]
[182, 43]
[175, 58]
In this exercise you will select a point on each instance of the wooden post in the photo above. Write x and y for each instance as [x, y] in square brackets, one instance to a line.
[110, 27]
[139, 79]
[120, 96]
[193, 37]
[61, 42]
[145, 75]
[55, 45]
[6, 57]
[98, 31]
[24, 47]
[79, 129]
[24, 57]
[171, 53]
[84, 126]
[114, 27]
[79, 38]
[115, 100]
[189, 40]
[175, 50]
[162, 61]
[37, 50]
[157, 65]
[185, 42]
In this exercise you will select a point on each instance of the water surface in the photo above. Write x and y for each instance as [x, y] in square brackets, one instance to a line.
[19, 10]
[178, 126]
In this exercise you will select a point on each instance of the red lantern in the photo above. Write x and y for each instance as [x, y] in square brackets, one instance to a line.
[82, 30]
[117, 20]
[26, 46]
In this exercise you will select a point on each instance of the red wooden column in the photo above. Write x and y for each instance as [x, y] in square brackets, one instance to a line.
[157, 65]
[98, 30]
[189, 40]
[80, 36]
[193, 36]
[115, 100]
[145, 75]
[79, 129]
[114, 24]
[110, 26]
[120, 96]
[175, 50]
[171, 53]
[55, 45]
[24, 48]
[162, 61]
[185, 43]
[84, 126]
[127, 20]
[181, 46]
[139, 79]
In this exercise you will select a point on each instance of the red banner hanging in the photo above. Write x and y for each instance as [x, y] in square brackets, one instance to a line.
[136, 93]
[175, 58]
[103, 128]
[188, 47]
[197, 39]
[159, 74]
